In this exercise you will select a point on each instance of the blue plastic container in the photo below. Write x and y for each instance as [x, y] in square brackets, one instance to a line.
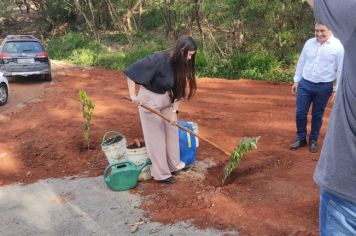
[187, 144]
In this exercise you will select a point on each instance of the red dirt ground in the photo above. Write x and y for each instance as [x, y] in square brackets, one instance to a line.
[270, 193]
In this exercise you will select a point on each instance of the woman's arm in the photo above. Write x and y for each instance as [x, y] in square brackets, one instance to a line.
[175, 107]
[132, 91]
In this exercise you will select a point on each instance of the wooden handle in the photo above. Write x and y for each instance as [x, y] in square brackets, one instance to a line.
[182, 127]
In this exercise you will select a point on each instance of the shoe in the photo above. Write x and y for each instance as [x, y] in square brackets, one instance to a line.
[169, 180]
[298, 143]
[185, 168]
[313, 147]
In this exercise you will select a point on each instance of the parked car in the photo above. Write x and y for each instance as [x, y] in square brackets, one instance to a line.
[24, 55]
[4, 89]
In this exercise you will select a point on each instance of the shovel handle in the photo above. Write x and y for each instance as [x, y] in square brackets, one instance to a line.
[182, 127]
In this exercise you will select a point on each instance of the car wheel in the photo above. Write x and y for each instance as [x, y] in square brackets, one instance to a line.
[47, 77]
[3, 94]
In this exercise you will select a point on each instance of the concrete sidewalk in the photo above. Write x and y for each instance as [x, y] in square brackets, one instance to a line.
[82, 206]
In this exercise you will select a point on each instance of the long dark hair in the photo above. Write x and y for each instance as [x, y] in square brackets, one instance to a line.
[183, 69]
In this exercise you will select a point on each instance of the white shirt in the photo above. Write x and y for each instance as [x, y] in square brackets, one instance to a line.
[320, 62]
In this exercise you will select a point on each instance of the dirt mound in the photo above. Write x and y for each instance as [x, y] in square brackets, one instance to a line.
[270, 193]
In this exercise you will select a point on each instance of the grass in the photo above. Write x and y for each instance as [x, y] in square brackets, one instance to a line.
[116, 52]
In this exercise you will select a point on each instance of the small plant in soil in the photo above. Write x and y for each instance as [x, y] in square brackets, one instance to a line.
[245, 145]
[87, 109]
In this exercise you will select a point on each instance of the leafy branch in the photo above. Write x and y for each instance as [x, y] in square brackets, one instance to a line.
[245, 145]
[87, 109]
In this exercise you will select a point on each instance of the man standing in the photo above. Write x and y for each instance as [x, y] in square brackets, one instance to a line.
[319, 65]
[336, 169]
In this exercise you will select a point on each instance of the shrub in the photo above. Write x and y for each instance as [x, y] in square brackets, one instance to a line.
[63, 47]
[254, 63]
[83, 56]
[138, 51]
[114, 60]
[152, 20]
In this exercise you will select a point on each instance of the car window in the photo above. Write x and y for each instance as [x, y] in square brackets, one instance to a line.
[22, 47]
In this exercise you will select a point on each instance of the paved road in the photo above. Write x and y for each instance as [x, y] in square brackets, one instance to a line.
[22, 91]
[81, 206]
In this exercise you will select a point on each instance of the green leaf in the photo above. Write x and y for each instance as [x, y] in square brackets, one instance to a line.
[245, 145]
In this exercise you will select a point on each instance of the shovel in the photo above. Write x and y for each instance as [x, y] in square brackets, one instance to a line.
[182, 127]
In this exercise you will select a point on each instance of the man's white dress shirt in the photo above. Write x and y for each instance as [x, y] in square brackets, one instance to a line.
[320, 62]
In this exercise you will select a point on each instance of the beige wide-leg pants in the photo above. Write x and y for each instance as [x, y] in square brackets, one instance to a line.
[161, 138]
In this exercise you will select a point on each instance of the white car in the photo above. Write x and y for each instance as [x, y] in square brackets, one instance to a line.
[4, 89]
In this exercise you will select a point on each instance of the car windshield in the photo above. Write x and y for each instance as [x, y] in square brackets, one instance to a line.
[22, 47]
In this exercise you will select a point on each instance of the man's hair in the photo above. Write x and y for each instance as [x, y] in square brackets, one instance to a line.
[321, 23]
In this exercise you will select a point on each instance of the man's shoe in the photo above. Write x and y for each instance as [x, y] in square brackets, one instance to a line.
[298, 143]
[169, 180]
[313, 147]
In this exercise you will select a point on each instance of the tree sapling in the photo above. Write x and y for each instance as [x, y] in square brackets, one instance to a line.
[245, 145]
[87, 109]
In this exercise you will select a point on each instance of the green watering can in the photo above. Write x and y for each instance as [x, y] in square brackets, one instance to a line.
[123, 174]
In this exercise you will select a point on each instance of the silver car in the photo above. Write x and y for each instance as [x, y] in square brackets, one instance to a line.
[4, 89]
[24, 55]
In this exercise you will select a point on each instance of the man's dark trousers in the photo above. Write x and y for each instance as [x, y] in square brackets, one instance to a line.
[311, 93]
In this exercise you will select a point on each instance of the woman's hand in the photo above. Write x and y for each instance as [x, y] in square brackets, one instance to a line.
[134, 99]
[132, 91]
[174, 118]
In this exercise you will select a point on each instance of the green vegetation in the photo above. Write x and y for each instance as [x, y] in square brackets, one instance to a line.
[257, 39]
[87, 109]
[246, 144]
[83, 50]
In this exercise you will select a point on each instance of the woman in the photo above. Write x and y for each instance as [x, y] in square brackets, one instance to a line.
[165, 77]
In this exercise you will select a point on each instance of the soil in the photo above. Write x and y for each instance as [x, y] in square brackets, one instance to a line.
[270, 193]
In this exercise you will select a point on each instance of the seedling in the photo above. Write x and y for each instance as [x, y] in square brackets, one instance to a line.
[87, 109]
[245, 145]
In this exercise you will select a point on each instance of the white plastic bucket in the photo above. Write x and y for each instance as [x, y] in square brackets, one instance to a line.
[114, 148]
[195, 130]
[138, 155]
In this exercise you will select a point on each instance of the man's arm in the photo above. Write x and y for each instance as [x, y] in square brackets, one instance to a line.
[339, 62]
[299, 70]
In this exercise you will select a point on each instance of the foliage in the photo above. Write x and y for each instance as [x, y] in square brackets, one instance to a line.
[5, 7]
[260, 65]
[64, 47]
[54, 13]
[257, 39]
[78, 49]
[246, 144]
[87, 109]
[152, 20]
